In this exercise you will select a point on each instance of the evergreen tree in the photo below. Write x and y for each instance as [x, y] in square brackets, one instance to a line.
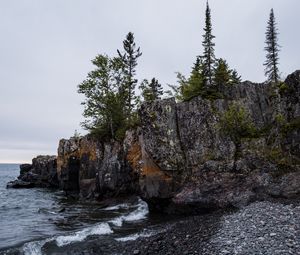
[222, 73]
[208, 44]
[195, 83]
[272, 49]
[191, 87]
[235, 77]
[104, 103]
[129, 59]
[151, 91]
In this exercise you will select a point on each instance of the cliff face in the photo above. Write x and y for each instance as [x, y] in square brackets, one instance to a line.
[182, 154]
[90, 168]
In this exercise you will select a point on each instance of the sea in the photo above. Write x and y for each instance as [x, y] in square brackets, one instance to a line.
[43, 221]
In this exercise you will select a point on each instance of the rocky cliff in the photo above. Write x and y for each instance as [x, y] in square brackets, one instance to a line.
[240, 146]
[91, 168]
[41, 173]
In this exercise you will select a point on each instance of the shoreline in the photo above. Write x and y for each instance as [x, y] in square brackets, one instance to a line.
[260, 228]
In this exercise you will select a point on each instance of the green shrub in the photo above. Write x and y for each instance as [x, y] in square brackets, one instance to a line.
[283, 87]
[237, 123]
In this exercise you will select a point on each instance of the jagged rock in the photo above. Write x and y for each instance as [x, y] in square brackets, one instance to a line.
[24, 168]
[91, 168]
[19, 184]
[41, 173]
[214, 172]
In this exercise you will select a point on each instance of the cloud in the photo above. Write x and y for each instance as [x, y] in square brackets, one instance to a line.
[46, 48]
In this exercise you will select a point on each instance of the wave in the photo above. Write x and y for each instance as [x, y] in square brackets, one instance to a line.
[99, 229]
[117, 207]
[134, 237]
[104, 228]
[139, 214]
[35, 248]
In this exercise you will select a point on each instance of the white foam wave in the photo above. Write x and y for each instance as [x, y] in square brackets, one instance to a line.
[117, 207]
[135, 236]
[35, 247]
[139, 214]
[99, 229]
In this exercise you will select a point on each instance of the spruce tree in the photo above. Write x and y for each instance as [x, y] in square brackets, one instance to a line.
[195, 83]
[151, 90]
[222, 73]
[190, 87]
[208, 54]
[272, 49]
[129, 59]
[235, 77]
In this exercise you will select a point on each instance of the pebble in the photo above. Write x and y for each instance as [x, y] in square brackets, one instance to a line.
[261, 228]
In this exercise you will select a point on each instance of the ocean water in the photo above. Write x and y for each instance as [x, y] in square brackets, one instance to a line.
[33, 219]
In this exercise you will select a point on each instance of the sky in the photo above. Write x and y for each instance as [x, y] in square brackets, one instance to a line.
[46, 48]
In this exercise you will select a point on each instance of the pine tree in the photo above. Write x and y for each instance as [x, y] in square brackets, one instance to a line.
[195, 83]
[235, 77]
[208, 44]
[151, 91]
[129, 58]
[272, 49]
[222, 73]
[196, 78]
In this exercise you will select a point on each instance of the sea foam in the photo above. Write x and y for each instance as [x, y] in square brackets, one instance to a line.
[138, 214]
[99, 229]
[141, 211]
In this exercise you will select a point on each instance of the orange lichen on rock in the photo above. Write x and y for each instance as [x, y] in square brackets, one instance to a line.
[89, 148]
[134, 156]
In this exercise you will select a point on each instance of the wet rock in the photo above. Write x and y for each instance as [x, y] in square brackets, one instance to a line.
[24, 168]
[19, 184]
[41, 173]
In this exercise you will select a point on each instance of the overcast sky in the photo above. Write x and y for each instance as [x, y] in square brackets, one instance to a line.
[46, 47]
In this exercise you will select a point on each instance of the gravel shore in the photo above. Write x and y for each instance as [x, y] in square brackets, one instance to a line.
[264, 228]
[260, 228]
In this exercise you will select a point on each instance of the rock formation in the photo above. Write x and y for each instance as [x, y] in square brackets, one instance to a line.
[90, 168]
[195, 155]
[41, 173]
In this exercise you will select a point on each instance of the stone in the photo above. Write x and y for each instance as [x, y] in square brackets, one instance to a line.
[25, 168]
[19, 184]
[41, 173]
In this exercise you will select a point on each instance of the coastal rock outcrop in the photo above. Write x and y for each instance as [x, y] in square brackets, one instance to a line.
[229, 149]
[41, 173]
[90, 168]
